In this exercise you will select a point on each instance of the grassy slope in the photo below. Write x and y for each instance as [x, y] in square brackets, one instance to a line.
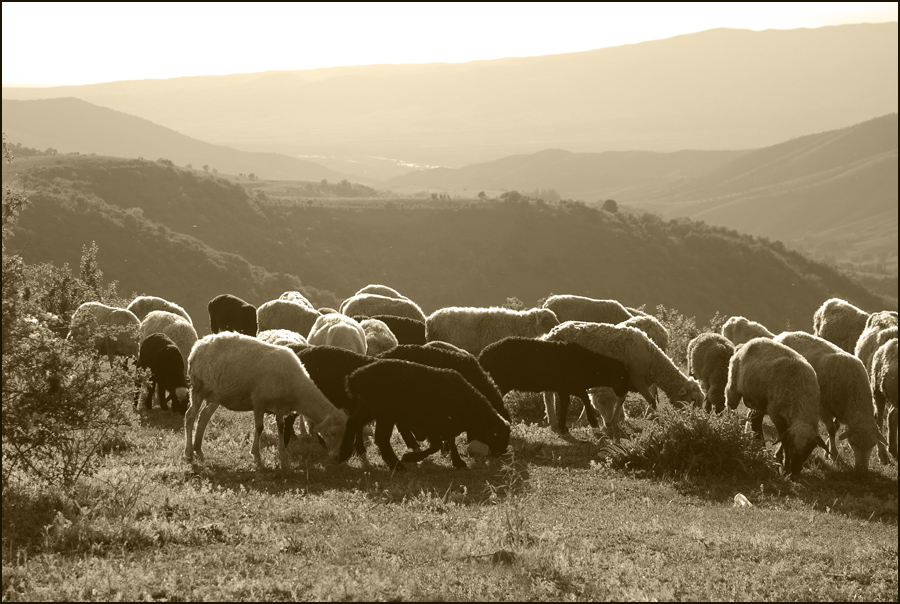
[557, 523]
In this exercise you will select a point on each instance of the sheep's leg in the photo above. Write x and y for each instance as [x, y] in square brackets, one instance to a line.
[148, 398]
[408, 438]
[458, 462]
[589, 410]
[434, 445]
[644, 391]
[831, 426]
[360, 443]
[282, 450]
[880, 403]
[756, 423]
[352, 432]
[161, 396]
[550, 409]
[562, 413]
[205, 414]
[289, 428]
[259, 416]
[190, 416]
[892, 432]
[384, 427]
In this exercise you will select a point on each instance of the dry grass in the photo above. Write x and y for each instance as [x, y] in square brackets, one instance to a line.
[553, 521]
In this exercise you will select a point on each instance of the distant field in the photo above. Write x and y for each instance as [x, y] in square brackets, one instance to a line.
[553, 523]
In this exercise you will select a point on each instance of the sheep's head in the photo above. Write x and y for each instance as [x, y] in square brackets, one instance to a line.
[862, 441]
[794, 446]
[180, 402]
[689, 392]
[544, 320]
[332, 429]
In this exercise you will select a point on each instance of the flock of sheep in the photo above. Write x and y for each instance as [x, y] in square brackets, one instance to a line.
[379, 358]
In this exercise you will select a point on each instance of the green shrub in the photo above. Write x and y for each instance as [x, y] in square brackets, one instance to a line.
[525, 407]
[690, 443]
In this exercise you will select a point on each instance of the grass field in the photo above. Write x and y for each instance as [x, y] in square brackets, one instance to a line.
[555, 521]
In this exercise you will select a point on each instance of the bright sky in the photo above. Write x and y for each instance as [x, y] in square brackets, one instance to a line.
[52, 44]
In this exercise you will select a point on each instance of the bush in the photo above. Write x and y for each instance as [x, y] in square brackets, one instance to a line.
[684, 329]
[690, 443]
[525, 407]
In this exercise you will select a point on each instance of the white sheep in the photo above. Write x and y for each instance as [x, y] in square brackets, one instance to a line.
[840, 323]
[578, 308]
[474, 328]
[646, 364]
[338, 330]
[179, 331]
[845, 396]
[883, 380]
[381, 290]
[144, 305]
[114, 331]
[243, 374]
[883, 319]
[285, 314]
[708, 356]
[281, 337]
[603, 399]
[871, 340]
[294, 296]
[379, 336]
[740, 330]
[371, 305]
[773, 379]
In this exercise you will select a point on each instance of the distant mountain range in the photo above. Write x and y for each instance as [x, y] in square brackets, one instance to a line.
[70, 125]
[717, 89]
[834, 193]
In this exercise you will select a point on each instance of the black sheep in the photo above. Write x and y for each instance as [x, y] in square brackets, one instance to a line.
[230, 313]
[160, 354]
[436, 403]
[533, 365]
[328, 367]
[463, 362]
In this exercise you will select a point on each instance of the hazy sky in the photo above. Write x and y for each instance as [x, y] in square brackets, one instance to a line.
[50, 44]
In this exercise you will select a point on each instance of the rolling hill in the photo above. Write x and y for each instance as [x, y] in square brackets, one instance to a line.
[74, 125]
[188, 236]
[717, 89]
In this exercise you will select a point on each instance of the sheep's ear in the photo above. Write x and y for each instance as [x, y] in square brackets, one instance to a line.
[845, 434]
[821, 443]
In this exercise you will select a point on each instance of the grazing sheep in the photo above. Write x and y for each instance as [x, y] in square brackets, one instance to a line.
[374, 304]
[442, 345]
[883, 380]
[579, 308]
[408, 331]
[179, 331]
[296, 297]
[378, 337]
[708, 356]
[114, 331]
[281, 337]
[338, 330]
[144, 305]
[328, 367]
[327, 310]
[651, 326]
[774, 380]
[437, 404]
[871, 340]
[474, 328]
[160, 354]
[381, 290]
[243, 374]
[531, 365]
[458, 360]
[284, 314]
[840, 323]
[740, 330]
[230, 313]
[845, 396]
[645, 362]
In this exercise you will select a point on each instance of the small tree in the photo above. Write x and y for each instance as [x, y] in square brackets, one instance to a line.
[610, 205]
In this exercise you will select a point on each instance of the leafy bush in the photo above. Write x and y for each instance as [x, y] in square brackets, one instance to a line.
[684, 329]
[690, 443]
[62, 406]
[525, 407]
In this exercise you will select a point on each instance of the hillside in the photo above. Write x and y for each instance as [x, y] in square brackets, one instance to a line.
[717, 89]
[73, 125]
[833, 193]
[186, 236]
[584, 176]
